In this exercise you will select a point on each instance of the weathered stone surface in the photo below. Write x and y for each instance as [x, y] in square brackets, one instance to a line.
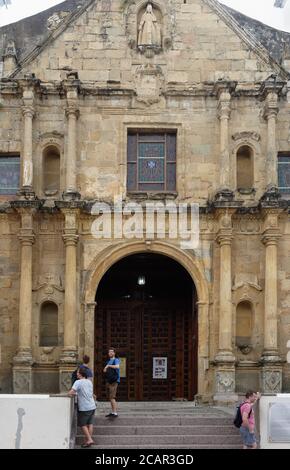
[91, 84]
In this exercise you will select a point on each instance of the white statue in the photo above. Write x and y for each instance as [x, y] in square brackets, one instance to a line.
[149, 33]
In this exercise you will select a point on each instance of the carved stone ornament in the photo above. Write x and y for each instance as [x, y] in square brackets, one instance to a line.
[149, 30]
[54, 20]
[149, 81]
[272, 381]
[247, 136]
[225, 382]
[49, 284]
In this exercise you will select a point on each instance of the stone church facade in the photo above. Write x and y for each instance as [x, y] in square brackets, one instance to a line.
[180, 101]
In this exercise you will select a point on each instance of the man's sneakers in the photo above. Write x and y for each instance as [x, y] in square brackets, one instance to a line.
[112, 415]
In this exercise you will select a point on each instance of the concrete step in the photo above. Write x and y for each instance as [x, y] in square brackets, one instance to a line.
[178, 439]
[163, 421]
[161, 430]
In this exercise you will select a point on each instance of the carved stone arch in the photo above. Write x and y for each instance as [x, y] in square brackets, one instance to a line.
[108, 257]
[50, 139]
[247, 291]
[245, 139]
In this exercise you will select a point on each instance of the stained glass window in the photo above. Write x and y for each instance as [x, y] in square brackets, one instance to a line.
[9, 174]
[151, 161]
[284, 172]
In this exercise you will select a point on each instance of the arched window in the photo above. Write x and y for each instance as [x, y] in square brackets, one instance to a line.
[244, 323]
[48, 324]
[51, 170]
[245, 168]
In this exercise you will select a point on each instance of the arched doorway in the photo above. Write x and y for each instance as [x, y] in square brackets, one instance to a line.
[147, 309]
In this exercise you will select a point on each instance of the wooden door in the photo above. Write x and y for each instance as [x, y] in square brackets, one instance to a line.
[143, 331]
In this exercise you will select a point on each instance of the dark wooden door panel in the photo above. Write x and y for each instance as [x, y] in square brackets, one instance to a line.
[140, 331]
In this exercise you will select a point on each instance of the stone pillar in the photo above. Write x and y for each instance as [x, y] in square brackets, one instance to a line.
[270, 92]
[69, 354]
[22, 372]
[223, 90]
[225, 360]
[27, 160]
[271, 112]
[272, 368]
[72, 114]
[90, 309]
[9, 58]
[203, 353]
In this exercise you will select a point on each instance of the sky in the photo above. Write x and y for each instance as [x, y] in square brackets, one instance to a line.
[262, 10]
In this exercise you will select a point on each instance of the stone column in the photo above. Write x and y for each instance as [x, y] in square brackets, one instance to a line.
[69, 354]
[271, 112]
[89, 331]
[272, 369]
[27, 160]
[270, 92]
[72, 114]
[223, 91]
[22, 372]
[203, 352]
[225, 360]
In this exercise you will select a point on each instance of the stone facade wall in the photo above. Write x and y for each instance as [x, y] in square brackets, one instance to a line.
[93, 72]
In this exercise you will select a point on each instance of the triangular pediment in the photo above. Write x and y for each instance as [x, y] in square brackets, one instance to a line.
[90, 27]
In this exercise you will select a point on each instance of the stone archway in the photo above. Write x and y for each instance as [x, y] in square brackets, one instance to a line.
[108, 257]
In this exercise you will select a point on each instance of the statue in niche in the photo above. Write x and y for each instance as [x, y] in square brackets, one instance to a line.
[149, 33]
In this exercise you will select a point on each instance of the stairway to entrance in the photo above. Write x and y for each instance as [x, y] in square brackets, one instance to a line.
[164, 425]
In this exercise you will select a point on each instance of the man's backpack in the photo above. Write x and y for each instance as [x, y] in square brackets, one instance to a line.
[238, 418]
[111, 374]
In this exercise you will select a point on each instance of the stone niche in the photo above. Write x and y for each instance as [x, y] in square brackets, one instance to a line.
[149, 27]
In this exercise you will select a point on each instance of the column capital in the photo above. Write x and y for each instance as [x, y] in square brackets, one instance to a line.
[224, 237]
[28, 110]
[270, 237]
[72, 110]
[223, 89]
[90, 306]
[26, 237]
[70, 239]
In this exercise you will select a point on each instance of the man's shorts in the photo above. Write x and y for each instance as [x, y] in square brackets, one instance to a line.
[85, 417]
[112, 390]
[249, 439]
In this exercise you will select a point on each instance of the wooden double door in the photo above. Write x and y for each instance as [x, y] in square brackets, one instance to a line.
[156, 341]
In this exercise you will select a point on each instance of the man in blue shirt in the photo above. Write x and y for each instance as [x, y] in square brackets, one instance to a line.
[112, 383]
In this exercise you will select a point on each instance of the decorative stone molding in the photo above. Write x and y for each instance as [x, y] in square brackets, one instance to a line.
[225, 381]
[22, 380]
[246, 136]
[272, 380]
[48, 285]
[149, 80]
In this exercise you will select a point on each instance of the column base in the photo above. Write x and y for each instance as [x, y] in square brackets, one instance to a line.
[271, 374]
[271, 196]
[71, 195]
[224, 195]
[26, 193]
[22, 379]
[69, 356]
[225, 381]
[65, 381]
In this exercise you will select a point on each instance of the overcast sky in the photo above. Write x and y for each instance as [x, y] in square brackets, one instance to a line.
[262, 10]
